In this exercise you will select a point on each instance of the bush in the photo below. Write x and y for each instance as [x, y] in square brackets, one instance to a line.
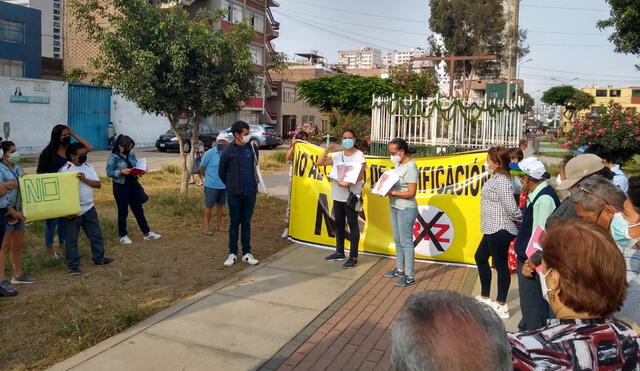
[613, 126]
[358, 122]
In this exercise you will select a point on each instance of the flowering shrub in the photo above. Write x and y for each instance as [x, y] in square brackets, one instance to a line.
[613, 126]
[306, 127]
[358, 122]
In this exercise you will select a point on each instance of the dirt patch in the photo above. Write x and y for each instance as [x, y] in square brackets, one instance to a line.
[60, 315]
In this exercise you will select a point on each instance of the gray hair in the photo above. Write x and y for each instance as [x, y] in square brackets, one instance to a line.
[595, 192]
[435, 326]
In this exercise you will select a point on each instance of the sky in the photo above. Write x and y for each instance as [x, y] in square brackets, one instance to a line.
[564, 42]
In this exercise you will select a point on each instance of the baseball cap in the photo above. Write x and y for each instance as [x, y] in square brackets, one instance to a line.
[222, 136]
[531, 166]
[580, 151]
[579, 167]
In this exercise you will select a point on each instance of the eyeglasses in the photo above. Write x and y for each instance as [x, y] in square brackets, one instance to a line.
[583, 189]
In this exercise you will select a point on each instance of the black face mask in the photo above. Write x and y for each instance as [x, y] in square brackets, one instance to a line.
[66, 141]
[220, 147]
[82, 159]
[126, 152]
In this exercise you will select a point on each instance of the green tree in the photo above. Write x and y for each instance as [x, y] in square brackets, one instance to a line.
[580, 101]
[348, 93]
[625, 20]
[471, 27]
[168, 62]
[559, 95]
[528, 101]
[408, 82]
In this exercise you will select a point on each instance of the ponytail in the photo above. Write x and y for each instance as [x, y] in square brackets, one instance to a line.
[402, 145]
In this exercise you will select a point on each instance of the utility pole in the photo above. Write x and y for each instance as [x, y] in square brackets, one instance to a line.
[513, 44]
[452, 59]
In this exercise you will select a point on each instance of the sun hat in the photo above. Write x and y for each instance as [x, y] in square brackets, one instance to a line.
[580, 167]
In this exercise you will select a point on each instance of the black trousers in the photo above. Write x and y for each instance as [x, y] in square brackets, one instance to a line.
[496, 246]
[535, 310]
[343, 213]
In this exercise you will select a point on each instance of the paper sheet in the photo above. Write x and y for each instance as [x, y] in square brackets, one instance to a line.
[384, 184]
[346, 172]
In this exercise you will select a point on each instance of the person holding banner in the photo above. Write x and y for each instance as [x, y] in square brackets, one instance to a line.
[542, 201]
[13, 220]
[127, 191]
[51, 159]
[301, 135]
[88, 217]
[404, 210]
[498, 216]
[340, 192]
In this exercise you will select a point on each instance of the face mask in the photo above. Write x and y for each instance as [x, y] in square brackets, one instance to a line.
[126, 152]
[246, 139]
[65, 141]
[347, 143]
[620, 231]
[82, 159]
[543, 285]
[517, 185]
[487, 168]
[396, 159]
[14, 157]
[220, 147]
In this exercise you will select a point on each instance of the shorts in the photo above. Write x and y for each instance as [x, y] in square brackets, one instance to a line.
[214, 196]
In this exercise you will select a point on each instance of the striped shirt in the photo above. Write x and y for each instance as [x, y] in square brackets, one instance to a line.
[498, 209]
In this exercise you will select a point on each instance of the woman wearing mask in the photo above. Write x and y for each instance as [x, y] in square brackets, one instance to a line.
[584, 294]
[51, 159]
[404, 210]
[340, 193]
[498, 215]
[14, 220]
[127, 191]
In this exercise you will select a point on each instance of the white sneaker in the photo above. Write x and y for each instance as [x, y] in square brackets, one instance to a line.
[285, 233]
[249, 259]
[125, 240]
[486, 301]
[231, 260]
[501, 310]
[152, 236]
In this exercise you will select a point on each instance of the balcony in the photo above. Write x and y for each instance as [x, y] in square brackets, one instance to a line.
[273, 114]
[272, 84]
[274, 25]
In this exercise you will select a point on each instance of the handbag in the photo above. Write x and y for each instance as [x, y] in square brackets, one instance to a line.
[142, 195]
[262, 188]
[354, 201]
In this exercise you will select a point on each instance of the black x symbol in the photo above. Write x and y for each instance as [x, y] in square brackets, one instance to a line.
[426, 230]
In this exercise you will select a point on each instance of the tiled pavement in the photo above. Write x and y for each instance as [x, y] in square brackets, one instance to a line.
[354, 334]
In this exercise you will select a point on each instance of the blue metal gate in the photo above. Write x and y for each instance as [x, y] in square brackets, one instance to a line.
[90, 112]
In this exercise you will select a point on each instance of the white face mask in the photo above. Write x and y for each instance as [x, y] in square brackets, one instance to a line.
[543, 285]
[246, 139]
[396, 159]
[487, 168]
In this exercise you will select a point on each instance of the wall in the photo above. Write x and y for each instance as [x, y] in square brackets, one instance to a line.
[128, 119]
[28, 52]
[31, 123]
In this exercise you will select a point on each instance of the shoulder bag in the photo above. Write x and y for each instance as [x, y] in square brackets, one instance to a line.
[262, 188]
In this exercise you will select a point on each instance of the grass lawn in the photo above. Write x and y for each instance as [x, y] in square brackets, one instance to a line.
[60, 315]
[549, 145]
[559, 154]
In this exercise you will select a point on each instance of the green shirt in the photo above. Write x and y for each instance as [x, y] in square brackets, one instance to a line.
[543, 208]
[408, 174]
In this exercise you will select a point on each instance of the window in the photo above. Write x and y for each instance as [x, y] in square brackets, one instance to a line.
[635, 93]
[257, 54]
[56, 5]
[614, 93]
[234, 12]
[56, 43]
[56, 11]
[11, 68]
[601, 93]
[308, 119]
[11, 31]
[259, 87]
[56, 17]
[289, 95]
[256, 20]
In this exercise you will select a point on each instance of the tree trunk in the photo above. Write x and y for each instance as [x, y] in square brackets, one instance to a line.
[186, 159]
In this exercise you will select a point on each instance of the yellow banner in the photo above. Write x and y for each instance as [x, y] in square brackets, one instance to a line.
[46, 196]
[448, 224]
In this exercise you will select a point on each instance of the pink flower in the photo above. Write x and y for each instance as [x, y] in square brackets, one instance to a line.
[588, 133]
[601, 132]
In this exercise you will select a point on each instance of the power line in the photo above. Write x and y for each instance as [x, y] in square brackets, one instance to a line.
[362, 13]
[564, 8]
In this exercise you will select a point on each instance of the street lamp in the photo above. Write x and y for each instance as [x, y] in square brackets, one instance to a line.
[518, 72]
[565, 82]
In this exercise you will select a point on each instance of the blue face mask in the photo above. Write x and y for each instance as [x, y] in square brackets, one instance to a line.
[347, 143]
[620, 231]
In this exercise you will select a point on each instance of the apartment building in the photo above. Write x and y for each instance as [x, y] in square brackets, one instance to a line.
[51, 25]
[364, 57]
[20, 42]
[626, 97]
[397, 58]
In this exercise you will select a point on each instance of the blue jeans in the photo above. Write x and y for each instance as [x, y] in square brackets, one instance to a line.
[91, 225]
[535, 310]
[402, 224]
[50, 231]
[240, 213]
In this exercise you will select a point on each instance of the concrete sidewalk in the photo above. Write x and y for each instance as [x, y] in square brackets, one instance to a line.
[237, 324]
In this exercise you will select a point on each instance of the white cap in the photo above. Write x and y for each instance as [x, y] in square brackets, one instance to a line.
[531, 166]
[222, 136]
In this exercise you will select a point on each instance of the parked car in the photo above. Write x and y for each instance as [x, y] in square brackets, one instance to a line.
[264, 136]
[169, 142]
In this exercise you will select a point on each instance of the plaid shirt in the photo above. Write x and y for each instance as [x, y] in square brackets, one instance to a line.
[577, 344]
[498, 209]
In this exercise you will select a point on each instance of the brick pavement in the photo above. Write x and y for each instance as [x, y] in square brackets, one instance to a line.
[356, 336]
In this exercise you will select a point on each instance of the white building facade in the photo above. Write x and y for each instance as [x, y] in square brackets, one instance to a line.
[398, 58]
[364, 57]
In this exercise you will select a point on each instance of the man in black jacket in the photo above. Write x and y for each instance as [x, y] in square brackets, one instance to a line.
[237, 170]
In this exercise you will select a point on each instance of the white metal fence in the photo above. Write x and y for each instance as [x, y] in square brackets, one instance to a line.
[446, 125]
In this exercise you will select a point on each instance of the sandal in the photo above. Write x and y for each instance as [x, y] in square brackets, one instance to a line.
[207, 233]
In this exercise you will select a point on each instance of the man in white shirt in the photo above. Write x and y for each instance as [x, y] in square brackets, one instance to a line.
[88, 217]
